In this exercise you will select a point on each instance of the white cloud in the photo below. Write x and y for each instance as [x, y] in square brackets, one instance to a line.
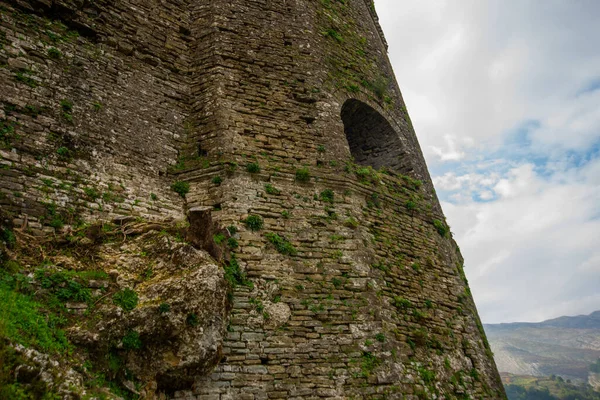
[477, 69]
[526, 213]
[534, 248]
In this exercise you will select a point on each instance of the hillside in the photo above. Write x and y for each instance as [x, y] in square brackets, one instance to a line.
[564, 346]
[554, 388]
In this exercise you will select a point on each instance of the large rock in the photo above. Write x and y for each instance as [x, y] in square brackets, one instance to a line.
[180, 317]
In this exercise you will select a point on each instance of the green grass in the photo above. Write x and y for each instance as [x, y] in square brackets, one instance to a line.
[25, 321]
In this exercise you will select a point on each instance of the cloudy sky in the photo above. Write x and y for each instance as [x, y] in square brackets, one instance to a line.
[505, 98]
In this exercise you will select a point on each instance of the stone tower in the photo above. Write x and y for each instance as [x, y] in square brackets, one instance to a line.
[277, 130]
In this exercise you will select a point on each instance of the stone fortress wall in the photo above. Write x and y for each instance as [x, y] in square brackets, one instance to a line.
[274, 109]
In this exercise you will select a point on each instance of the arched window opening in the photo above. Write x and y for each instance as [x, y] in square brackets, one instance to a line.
[372, 140]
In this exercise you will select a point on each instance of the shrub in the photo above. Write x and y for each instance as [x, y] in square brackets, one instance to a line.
[327, 195]
[132, 341]
[380, 337]
[254, 222]
[181, 188]
[282, 245]
[217, 180]
[253, 168]
[232, 243]
[303, 175]
[411, 205]
[127, 299]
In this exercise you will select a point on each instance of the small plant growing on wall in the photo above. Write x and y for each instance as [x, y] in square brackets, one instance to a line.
[303, 175]
[54, 53]
[441, 228]
[132, 341]
[67, 109]
[253, 168]
[327, 195]
[270, 189]
[127, 299]
[282, 245]
[181, 188]
[254, 222]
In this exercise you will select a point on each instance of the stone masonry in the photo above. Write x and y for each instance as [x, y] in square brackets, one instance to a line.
[285, 112]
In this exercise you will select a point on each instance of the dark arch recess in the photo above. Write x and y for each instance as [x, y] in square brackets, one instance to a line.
[372, 140]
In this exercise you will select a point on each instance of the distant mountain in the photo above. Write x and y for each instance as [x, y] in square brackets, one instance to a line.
[591, 321]
[564, 346]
